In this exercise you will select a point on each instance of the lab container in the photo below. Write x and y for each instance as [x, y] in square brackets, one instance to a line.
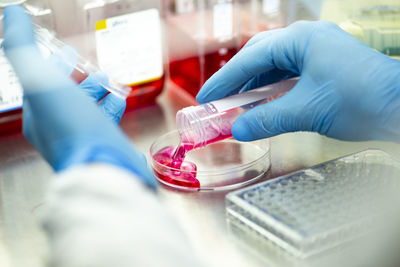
[374, 22]
[11, 93]
[225, 165]
[200, 155]
[125, 38]
[263, 15]
[202, 36]
[201, 125]
[317, 214]
[80, 67]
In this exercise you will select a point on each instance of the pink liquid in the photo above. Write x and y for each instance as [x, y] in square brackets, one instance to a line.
[11, 122]
[188, 73]
[145, 94]
[177, 171]
[194, 54]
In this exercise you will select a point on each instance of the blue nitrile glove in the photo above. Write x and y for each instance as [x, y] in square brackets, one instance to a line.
[111, 105]
[346, 90]
[60, 119]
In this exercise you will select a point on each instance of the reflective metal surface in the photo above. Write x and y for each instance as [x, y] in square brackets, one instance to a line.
[24, 176]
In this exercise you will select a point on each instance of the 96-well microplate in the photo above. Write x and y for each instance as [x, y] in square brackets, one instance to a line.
[312, 210]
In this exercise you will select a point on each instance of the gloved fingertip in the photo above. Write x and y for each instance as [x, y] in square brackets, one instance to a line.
[116, 103]
[94, 85]
[240, 130]
[14, 12]
[200, 98]
[17, 27]
[113, 107]
[208, 92]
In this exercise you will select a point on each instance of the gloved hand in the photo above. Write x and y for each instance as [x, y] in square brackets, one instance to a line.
[60, 119]
[112, 106]
[346, 89]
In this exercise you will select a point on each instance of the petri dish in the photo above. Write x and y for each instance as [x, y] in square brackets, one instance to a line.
[225, 165]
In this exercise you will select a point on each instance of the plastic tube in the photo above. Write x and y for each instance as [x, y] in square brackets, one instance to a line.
[212, 122]
[82, 67]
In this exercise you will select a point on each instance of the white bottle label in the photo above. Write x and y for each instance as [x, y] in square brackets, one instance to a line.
[223, 21]
[129, 47]
[11, 94]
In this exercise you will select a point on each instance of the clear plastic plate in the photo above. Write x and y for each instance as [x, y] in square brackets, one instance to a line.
[316, 209]
[224, 165]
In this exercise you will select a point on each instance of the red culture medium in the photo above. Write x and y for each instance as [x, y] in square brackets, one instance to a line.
[144, 94]
[175, 170]
[11, 121]
[191, 73]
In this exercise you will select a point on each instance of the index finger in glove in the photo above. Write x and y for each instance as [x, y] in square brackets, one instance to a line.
[278, 50]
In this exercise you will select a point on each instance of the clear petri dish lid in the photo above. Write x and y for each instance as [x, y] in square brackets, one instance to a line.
[224, 165]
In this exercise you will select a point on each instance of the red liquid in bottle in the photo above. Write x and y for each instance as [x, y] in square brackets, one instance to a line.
[11, 121]
[191, 73]
[144, 94]
[195, 53]
[141, 94]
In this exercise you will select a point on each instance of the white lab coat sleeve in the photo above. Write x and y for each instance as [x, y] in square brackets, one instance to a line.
[103, 216]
